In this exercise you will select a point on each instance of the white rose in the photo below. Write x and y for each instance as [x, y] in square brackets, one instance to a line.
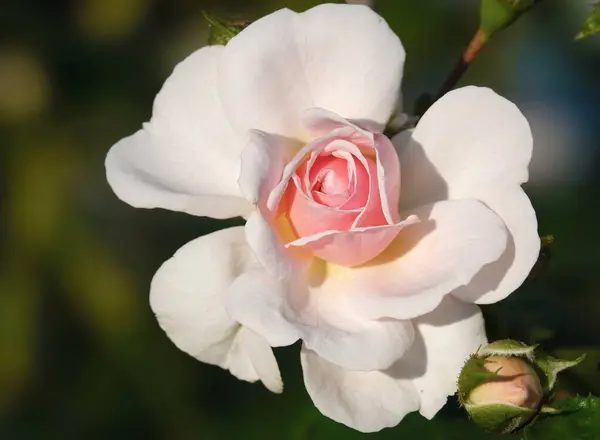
[283, 127]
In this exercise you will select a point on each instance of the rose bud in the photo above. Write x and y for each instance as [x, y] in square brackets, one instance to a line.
[516, 382]
[501, 392]
[506, 383]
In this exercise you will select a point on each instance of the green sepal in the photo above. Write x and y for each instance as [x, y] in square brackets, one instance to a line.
[221, 31]
[551, 366]
[591, 25]
[500, 417]
[544, 256]
[578, 418]
[561, 406]
[498, 14]
[471, 376]
[550, 410]
[547, 240]
[508, 347]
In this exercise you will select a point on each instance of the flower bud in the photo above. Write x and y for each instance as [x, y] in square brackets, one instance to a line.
[516, 382]
[506, 383]
[496, 15]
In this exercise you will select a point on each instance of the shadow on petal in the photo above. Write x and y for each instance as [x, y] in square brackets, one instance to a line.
[416, 361]
[490, 276]
[421, 182]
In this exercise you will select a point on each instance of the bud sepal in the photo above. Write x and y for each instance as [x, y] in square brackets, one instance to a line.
[551, 366]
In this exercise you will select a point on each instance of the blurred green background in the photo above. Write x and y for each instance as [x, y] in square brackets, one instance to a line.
[81, 355]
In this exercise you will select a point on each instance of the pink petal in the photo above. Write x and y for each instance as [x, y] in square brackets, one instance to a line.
[308, 217]
[372, 214]
[354, 247]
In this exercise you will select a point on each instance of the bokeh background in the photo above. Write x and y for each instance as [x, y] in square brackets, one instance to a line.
[81, 355]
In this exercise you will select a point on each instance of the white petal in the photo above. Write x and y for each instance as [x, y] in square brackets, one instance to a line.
[257, 300]
[473, 143]
[364, 400]
[273, 256]
[283, 312]
[187, 295]
[426, 261]
[499, 279]
[469, 139]
[341, 58]
[445, 339]
[251, 358]
[360, 345]
[263, 160]
[187, 158]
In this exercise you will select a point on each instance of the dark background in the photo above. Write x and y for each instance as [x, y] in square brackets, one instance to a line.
[81, 356]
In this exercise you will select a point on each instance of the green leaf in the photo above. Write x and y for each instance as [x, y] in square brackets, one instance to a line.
[591, 25]
[221, 31]
[551, 366]
[507, 347]
[581, 423]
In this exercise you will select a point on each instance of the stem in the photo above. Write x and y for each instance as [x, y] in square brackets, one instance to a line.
[475, 45]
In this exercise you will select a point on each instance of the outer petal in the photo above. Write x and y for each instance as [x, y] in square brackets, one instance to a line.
[285, 63]
[258, 301]
[263, 161]
[251, 358]
[187, 296]
[472, 143]
[426, 261]
[283, 313]
[499, 279]
[366, 401]
[266, 243]
[469, 139]
[187, 157]
[445, 338]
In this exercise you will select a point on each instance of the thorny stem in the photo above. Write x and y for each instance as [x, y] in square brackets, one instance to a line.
[475, 45]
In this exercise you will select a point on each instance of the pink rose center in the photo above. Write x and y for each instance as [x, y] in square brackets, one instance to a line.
[331, 190]
[337, 197]
[334, 181]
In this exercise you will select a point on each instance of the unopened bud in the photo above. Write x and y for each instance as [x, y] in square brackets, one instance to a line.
[496, 15]
[516, 382]
[506, 383]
